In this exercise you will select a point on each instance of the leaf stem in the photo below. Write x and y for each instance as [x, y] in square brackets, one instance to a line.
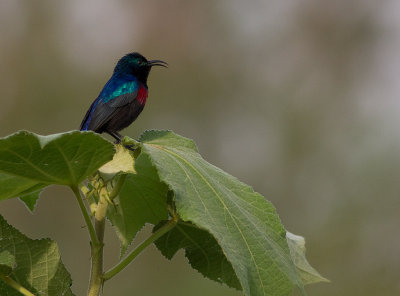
[117, 187]
[85, 214]
[128, 259]
[9, 281]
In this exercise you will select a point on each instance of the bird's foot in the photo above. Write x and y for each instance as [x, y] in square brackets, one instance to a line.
[130, 147]
[129, 143]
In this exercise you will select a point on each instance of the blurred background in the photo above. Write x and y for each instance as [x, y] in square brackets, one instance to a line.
[299, 99]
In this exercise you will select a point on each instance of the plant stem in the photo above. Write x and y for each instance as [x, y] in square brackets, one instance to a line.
[96, 280]
[15, 285]
[85, 214]
[128, 259]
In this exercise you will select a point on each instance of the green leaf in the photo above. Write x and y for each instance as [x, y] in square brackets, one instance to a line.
[297, 246]
[7, 262]
[142, 199]
[38, 264]
[244, 224]
[30, 199]
[201, 249]
[14, 186]
[64, 159]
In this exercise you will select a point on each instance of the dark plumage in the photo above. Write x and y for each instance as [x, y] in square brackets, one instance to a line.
[122, 98]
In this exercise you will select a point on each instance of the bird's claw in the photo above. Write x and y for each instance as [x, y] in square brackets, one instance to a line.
[130, 147]
[129, 143]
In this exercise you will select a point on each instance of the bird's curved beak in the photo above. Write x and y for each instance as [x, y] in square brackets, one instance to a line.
[157, 63]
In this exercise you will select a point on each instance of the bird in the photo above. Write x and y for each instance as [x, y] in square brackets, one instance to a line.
[122, 98]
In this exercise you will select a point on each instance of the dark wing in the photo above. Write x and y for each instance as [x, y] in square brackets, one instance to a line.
[85, 119]
[101, 112]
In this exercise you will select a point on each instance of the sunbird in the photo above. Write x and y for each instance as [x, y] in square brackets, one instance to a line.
[122, 98]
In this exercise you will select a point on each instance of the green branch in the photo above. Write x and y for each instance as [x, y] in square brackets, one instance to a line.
[85, 214]
[128, 259]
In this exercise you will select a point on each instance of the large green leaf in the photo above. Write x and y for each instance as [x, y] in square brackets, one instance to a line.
[201, 249]
[27, 190]
[244, 224]
[142, 199]
[297, 246]
[37, 266]
[7, 262]
[14, 186]
[64, 159]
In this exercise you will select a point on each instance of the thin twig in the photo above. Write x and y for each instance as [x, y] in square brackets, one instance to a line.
[128, 259]
[85, 214]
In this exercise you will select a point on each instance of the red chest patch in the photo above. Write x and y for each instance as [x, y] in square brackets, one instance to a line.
[142, 95]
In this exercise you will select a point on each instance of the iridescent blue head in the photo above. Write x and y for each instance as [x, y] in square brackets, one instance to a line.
[136, 64]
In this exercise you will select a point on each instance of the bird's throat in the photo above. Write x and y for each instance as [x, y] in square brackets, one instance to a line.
[142, 95]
